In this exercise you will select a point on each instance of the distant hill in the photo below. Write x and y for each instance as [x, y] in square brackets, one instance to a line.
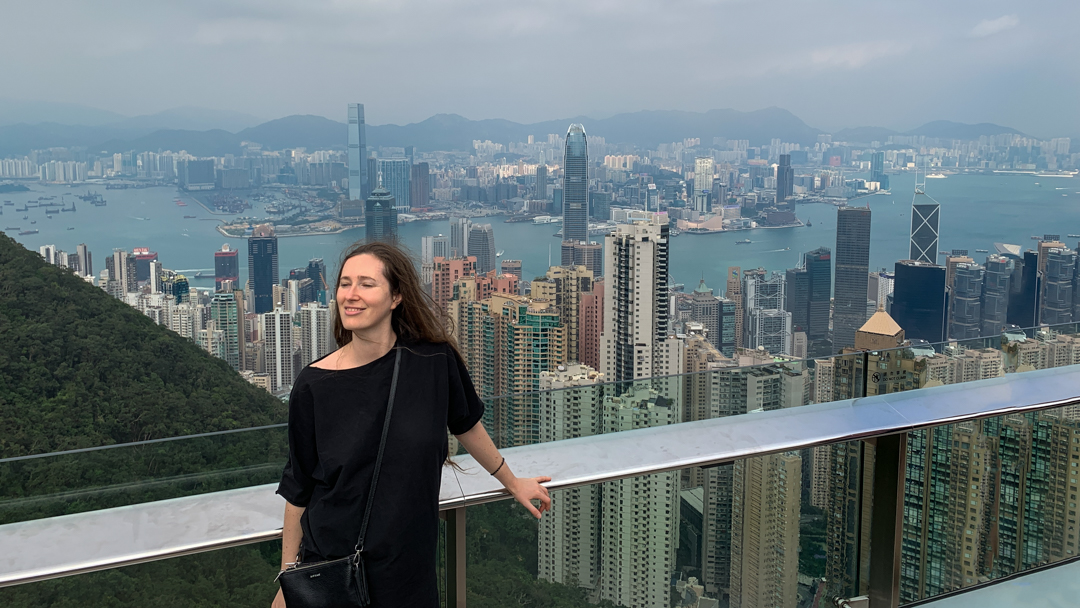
[198, 143]
[956, 130]
[15, 111]
[863, 135]
[298, 131]
[190, 118]
[80, 368]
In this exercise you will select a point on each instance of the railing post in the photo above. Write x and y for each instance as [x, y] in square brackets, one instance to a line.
[887, 520]
[455, 558]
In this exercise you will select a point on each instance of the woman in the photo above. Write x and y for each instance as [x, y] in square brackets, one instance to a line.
[336, 412]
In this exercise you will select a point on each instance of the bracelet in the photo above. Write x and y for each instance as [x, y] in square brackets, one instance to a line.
[498, 467]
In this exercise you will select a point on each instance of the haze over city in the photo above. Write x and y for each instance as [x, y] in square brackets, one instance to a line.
[833, 64]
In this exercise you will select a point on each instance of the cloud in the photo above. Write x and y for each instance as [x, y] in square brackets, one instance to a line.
[989, 27]
[856, 55]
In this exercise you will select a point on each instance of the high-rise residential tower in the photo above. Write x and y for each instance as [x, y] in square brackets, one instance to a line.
[358, 174]
[276, 332]
[226, 315]
[636, 310]
[394, 175]
[576, 185]
[86, 265]
[734, 293]
[262, 267]
[852, 274]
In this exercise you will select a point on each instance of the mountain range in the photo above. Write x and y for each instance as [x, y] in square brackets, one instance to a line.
[214, 133]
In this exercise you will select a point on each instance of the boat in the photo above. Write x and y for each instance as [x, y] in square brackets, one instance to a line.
[32, 221]
[787, 248]
[52, 211]
[8, 203]
[1074, 236]
[189, 217]
[13, 228]
[744, 242]
[982, 251]
[26, 232]
[71, 227]
[936, 176]
[499, 253]
[181, 204]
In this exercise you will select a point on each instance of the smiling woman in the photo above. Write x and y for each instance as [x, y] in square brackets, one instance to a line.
[394, 387]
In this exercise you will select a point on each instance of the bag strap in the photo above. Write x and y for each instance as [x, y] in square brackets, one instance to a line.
[378, 459]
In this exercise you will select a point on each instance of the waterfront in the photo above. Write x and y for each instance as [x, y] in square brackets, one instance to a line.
[977, 210]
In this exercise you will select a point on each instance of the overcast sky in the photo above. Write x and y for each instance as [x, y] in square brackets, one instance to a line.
[834, 63]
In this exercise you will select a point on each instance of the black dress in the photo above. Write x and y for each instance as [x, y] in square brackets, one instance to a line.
[335, 422]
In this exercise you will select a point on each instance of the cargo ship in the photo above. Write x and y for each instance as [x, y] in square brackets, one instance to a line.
[26, 232]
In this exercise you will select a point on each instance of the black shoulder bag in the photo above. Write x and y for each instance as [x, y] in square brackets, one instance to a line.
[341, 582]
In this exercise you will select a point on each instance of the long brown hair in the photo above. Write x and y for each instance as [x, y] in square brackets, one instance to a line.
[416, 318]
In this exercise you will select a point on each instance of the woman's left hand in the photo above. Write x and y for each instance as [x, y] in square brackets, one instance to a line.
[527, 489]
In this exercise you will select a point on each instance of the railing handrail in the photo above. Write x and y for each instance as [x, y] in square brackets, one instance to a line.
[84, 542]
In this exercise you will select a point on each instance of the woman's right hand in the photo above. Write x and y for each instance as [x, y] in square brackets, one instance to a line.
[279, 600]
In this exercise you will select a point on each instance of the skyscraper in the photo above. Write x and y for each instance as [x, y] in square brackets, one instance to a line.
[581, 253]
[965, 301]
[86, 265]
[394, 174]
[1024, 296]
[705, 309]
[276, 332]
[316, 332]
[262, 267]
[703, 178]
[459, 236]
[541, 182]
[734, 293]
[576, 185]
[767, 324]
[481, 244]
[316, 271]
[852, 274]
[924, 232]
[995, 296]
[564, 286]
[818, 265]
[380, 217]
[358, 174]
[1057, 300]
[785, 179]
[919, 300]
[226, 266]
[419, 185]
[877, 170]
[636, 298]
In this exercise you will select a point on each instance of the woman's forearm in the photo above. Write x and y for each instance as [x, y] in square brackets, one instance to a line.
[480, 447]
[291, 534]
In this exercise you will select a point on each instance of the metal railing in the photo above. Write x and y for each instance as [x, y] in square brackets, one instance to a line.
[85, 542]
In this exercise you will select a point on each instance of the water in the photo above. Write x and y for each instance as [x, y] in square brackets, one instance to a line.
[977, 210]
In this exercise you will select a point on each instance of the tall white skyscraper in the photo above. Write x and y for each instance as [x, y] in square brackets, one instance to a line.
[636, 307]
[432, 247]
[358, 178]
[316, 332]
[276, 332]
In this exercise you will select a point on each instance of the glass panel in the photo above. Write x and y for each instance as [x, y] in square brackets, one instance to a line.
[237, 577]
[31, 488]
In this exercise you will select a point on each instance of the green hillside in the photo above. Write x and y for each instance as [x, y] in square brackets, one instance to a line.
[79, 368]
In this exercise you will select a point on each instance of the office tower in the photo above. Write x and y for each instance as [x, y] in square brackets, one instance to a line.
[703, 179]
[276, 332]
[359, 187]
[635, 568]
[818, 264]
[734, 293]
[877, 170]
[705, 309]
[541, 182]
[965, 301]
[957, 257]
[394, 174]
[995, 296]
[459, 236]
[420, 185]
[316, 332]
[564, 287]
[481, 245]
[1058, 286]
[797, 297]
[316, 271]
[226, 266]
[374, 179]
[143, 256]
[852, 271]
[880, 286]
[785, 179]
[86, 266]
[591, 324]
[568, 547]
[226, 314]
[380, 217]
[575, 208]
[1025, 293]
[430, 248]
[919, 300]
[262, 267]
[767, 324]
[581, 253]
[765, 539]
[636, 305]
[924, 232]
